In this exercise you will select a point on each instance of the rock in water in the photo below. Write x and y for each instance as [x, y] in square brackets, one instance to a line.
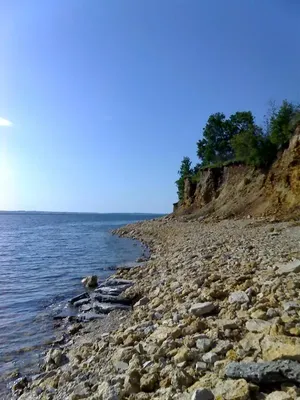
[267, 372]
[90, 281]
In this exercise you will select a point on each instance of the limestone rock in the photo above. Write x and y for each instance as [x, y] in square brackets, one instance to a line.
[239, 297]
[280, 347]
[199, 309]
[210, 357]
[232, 389]
[183, 354]
[258, 325]
[278, 395]
[292, 266]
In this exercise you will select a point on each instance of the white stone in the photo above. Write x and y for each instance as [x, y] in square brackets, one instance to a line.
[239, 297]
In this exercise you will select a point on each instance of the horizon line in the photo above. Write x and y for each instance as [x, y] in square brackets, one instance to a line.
[80, 212]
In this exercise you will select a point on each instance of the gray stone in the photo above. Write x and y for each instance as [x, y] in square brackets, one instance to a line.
[292, 266]
[79, 297]
[105, 308]
[265, 372]
[199, 309]
[239, 297]
[142, 302]
[105, 298]
[222, 346]
[82, 302]
[118, 282]
[202, 394]
[291, 305]
[210, 357]
[204, 344]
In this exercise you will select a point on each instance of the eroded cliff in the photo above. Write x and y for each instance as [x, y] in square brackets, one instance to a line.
[242, 190]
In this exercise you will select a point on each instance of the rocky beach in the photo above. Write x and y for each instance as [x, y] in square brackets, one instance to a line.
[215, 314]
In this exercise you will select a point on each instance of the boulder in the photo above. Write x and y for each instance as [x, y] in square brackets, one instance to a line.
[266, 372]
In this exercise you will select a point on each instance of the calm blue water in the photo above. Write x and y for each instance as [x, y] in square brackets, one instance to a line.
[43, 257]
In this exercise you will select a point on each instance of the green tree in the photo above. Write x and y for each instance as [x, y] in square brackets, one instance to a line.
[241, 121]
[184, 172]
[281, 124]
[216, 146]
[252, 147]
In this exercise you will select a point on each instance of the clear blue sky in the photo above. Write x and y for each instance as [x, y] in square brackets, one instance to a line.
[106, 97]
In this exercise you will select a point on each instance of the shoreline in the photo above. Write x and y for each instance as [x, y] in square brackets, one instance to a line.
[156, 350]
[62, 324]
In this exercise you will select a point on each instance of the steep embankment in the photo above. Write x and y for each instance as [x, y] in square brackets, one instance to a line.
[242, 190]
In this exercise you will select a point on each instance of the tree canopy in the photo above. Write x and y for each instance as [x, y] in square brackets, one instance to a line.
[239, 139]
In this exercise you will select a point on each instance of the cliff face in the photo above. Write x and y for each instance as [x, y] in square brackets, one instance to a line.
[242, 190]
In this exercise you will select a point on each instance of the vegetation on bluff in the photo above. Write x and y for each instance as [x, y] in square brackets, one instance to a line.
[239, 139]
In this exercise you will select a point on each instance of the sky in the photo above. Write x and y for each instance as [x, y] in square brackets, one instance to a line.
[101, 100]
